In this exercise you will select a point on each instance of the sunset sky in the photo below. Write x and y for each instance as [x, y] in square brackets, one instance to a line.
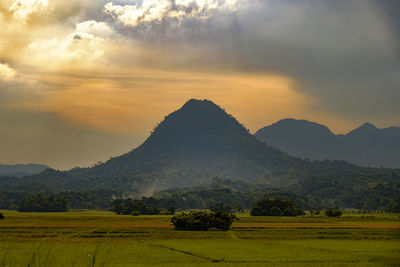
[84, 80]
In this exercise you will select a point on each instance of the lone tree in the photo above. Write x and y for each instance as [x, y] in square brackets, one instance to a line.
[333, 212]
[275, 207]
[203, 220]
[1, 216]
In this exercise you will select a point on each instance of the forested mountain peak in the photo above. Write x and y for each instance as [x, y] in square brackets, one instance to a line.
[189, 147]
[198, 116]
[366, 145]
[199, 125]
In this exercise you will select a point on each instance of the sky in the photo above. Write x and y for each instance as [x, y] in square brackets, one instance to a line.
[83, 80]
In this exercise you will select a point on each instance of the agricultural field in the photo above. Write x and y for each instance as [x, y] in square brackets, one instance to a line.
[96, 238]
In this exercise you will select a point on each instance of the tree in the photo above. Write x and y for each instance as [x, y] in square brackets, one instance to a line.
[135, 213]
[227, 208]
[333, 212]
[145, 206]
[275, 211]
[219, 207]
[171, 211]
[1, 216]
[275, 207]
[395, 208]
[41, 203]
[203, 220]
[223, 220]
[194, 220]
[257, 211]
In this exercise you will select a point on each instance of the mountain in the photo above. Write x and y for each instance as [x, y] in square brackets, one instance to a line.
[19, 170]
[365, 146]
[190, 147]
[199, 142]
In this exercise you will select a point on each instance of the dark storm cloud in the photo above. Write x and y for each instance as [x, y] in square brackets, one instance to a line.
[342, 53]
[342, 57]
[390, 10]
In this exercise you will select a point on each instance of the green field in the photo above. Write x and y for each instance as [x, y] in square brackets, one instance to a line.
[104, 239]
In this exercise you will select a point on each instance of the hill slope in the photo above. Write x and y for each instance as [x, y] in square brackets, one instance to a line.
[365, 146]
[19, 170]
[191, 146]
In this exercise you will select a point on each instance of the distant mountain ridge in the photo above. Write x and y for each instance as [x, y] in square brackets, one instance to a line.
[19, 170]
[365, 146]
[199, 142]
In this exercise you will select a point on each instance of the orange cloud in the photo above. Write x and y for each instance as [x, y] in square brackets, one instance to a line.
[134, 100]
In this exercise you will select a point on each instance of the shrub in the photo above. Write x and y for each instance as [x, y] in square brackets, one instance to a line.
[395, 208]
[194, 220]
[223, 220]
[333, 212]
[1, 216]
[315, 212]
[257, 211]
[203, 220]
[275, 207]
[121, 210]
[135, 213]
[170, 211]
[275, 211]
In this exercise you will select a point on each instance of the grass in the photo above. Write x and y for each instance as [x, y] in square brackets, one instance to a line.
[97, 238]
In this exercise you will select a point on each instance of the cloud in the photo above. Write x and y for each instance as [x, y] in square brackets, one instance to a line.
[77, 47]
[340, 52]
[22, 9]
[389, 12]
[157, 10]
[99, 29]
[133, 100]
[6, 72]
[85, 45]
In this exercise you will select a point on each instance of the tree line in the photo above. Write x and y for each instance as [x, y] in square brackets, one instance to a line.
[237, 195]
[41, 203]
[145, 206]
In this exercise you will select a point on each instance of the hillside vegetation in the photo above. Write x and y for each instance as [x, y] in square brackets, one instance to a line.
[199, 142]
